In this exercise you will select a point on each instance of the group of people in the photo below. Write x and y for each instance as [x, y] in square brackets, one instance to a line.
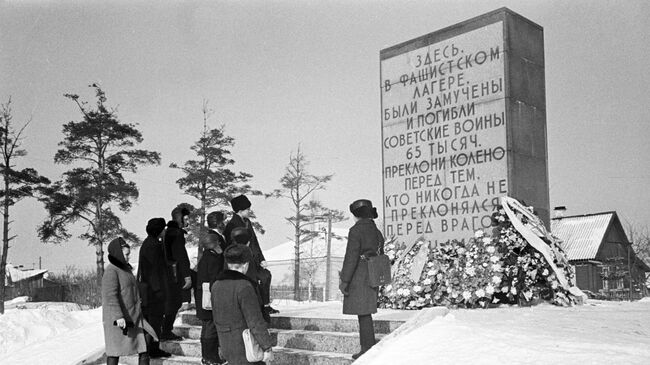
[139, 310]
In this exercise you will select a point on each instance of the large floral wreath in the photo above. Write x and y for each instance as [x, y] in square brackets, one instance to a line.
[489, 268]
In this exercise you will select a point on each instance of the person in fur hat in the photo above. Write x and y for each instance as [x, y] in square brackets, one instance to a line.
[257, 271]
[152, 273]
[359, 298]
[121, 307]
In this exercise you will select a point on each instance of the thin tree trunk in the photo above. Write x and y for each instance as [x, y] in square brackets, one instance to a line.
[5, 241]
[99, 259]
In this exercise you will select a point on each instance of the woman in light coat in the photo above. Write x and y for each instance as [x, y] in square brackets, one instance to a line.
[359, 298]
[121, 307]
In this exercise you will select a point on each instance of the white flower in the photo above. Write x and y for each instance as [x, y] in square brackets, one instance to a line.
[417, 288]
[554, 284]
[480, 293]
[427, 281]
[489, 289]
[496, 279]
[460, 250]
[467, 295]
[439, 276]
[454, 295]
[496, 267]
[545, 272]
[431, 273]
[504, 289]
[487, 240]
[513, 290]
[478, 234]
[389, 287]
[427, 296]
[470, 271]
[489, 249]
[448, 289]
[494, 259]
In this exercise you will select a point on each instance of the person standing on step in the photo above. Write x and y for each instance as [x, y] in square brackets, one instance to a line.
[241, 208]
[121, 307]
[359, 298]
[152, 273]
[240, 236]
[178, 270]
[237, 307]
[209, 267]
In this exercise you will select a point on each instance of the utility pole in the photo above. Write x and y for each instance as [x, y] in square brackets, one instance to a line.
[328, 262]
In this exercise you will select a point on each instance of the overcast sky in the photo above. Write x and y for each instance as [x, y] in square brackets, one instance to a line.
[280, 74]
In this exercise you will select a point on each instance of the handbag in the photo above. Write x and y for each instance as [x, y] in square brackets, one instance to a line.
[254, 351]
[379, 270]
[206, 299]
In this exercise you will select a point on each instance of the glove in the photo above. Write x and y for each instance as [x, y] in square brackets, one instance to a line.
[268, 356]
[343, 287]
[188, 283]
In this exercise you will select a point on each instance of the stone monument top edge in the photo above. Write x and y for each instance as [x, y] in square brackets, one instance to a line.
[453, 30]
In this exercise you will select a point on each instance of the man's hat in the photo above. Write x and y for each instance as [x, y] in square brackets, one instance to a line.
[155, 226]
[363, 208]
[239, 203]
[238, 254]
[240, 235]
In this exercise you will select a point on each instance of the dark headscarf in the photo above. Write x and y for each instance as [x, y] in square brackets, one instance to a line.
[115, 255]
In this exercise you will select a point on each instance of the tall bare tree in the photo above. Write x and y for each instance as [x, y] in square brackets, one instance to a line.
[18, 184]
[297, 185]
[102, 149]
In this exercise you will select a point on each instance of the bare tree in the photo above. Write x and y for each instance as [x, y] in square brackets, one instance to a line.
[297, 185]
[18, 184]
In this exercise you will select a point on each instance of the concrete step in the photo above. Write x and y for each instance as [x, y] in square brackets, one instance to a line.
[313, 324]
[330, 324]
[187, 347]
[174, 360]
[188, 331]
[322, 341]
[284, 356]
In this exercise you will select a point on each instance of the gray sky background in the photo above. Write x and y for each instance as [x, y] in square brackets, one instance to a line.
[283, 73]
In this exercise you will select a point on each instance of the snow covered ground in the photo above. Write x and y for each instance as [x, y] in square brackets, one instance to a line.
[49, 333]
[596, 333]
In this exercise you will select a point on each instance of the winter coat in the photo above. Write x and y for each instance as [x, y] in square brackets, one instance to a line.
[120, 299]
[153, 272]
[176, 252]
[363, 239]
[237, 306]
[255, 268]
[209, 267]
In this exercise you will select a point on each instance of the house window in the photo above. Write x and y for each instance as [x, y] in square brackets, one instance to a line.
[605, 275]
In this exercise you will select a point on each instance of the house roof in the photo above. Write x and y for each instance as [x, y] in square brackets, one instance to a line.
[315, 248]
[16, 274]
[582, 234]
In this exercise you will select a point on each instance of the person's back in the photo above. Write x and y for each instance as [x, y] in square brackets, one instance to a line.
[236, 306]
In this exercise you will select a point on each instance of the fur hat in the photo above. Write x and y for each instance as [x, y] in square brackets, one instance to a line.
[363, 208]
[239, 203]
[240, 235]
[238, 254]
[155, 226]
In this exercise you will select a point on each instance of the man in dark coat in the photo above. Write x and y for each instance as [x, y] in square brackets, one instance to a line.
[209, 267]
[178, 275]
[364, 240]
[236, 307]
[152, 272]
[241, 208]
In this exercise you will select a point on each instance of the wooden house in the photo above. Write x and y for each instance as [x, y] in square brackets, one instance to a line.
[605, 263]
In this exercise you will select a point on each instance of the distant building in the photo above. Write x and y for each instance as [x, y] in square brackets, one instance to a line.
[25, 278]
[596, 244]
[313, 260]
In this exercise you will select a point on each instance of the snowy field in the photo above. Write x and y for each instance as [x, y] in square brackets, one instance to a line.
[596, 333]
